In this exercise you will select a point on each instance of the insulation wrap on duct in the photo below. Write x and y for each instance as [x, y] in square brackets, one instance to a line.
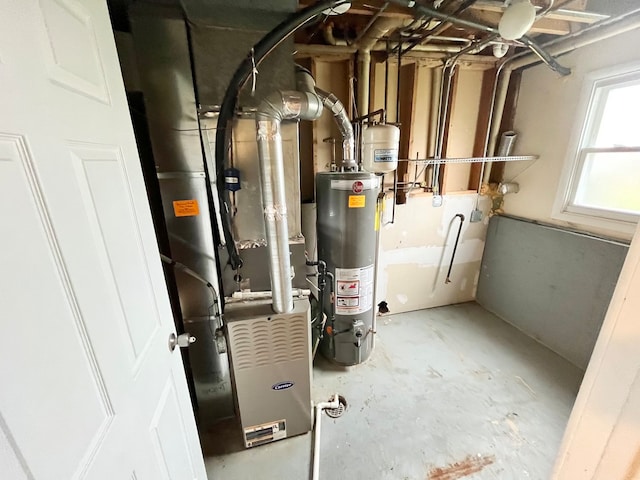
[278, 106]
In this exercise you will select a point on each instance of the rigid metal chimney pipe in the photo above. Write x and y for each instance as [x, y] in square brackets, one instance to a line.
[276, 107]
[331, 102]
[587, 36]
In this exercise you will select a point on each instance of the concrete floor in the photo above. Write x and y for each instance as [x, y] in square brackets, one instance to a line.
[450, 392]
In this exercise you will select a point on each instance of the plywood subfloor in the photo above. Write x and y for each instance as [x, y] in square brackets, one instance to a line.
[451, 392]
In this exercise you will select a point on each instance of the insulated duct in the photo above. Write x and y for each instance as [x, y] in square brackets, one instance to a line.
[277, 107]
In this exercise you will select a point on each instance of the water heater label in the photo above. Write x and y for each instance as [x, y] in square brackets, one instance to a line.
[385, 155]
[357, 201]
[354, 290]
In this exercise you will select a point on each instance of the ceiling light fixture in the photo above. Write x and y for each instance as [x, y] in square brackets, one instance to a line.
[517, 19]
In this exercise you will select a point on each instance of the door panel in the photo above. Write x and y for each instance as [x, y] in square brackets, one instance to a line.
[103, 181]
[89, 386]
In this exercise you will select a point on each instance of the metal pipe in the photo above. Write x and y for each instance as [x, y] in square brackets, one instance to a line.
[277, 107]
[545, 56]
[507, 142]
[332, 103]
[439, 14]
[533, 46]
[398, 79]
[455, 247]
[443, 104]
[594, 33]
[335, 403]
[436, 86]
[443, 26]
[386, 78]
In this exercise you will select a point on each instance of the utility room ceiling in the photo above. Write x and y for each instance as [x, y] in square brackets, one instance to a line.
[561, 18]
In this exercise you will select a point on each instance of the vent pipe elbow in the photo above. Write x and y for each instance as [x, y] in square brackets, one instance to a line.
[332, 103]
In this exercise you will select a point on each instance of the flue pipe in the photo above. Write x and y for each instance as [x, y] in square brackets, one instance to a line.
[332, 103]
[594, 33]
[278, 106]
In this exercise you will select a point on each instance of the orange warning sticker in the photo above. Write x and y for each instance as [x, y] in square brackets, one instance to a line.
[186, 208]
[357, 201]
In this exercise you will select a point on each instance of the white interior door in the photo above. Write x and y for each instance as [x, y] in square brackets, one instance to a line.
[602, 440]
[88, 386]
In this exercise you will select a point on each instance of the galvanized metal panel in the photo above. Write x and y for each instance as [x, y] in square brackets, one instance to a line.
[213, 24]
[192, 244]
[552, 284]
[255, 270]
[162, 50]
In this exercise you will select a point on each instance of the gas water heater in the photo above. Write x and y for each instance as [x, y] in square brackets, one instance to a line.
[348, 223]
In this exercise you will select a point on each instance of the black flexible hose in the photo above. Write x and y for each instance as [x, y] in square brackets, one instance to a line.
[259, 51]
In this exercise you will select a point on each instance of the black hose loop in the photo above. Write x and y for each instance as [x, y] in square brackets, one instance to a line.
[223, 138]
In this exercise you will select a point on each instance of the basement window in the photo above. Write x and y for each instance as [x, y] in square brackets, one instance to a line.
[605, 178]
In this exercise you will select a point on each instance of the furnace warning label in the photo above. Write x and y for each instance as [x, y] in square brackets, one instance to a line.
[354, 290]
[186, 208]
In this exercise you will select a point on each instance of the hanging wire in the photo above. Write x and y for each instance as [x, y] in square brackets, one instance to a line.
[254, 73]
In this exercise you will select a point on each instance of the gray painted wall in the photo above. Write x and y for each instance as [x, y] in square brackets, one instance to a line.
[553, 284]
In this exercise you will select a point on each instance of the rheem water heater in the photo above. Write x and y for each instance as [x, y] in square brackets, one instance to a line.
[347, 228]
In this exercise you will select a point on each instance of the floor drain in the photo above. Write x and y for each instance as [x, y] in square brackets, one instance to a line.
[337, 412]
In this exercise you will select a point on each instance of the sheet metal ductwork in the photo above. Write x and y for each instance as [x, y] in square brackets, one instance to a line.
[185, 61]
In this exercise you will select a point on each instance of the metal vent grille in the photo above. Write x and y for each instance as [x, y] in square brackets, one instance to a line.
[261, 342]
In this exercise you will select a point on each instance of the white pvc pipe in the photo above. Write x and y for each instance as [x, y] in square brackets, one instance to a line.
[335, 403]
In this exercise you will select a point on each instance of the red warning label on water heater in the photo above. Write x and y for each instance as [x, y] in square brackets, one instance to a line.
[354, 290]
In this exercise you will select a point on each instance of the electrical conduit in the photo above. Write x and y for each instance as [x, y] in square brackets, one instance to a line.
[587, 36]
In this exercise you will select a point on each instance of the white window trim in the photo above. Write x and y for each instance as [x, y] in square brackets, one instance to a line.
[562, 209]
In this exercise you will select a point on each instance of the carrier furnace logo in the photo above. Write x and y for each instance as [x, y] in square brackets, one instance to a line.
[282, 385]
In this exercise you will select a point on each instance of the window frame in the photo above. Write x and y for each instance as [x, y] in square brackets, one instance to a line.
[591, 106]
